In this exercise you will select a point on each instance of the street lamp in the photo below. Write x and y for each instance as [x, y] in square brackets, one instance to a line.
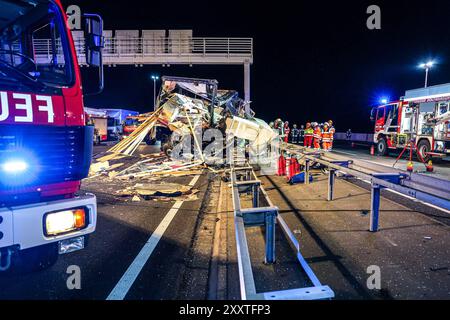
[154, 78]
[427, 66]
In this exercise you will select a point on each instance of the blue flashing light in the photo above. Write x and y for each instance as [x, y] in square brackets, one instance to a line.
[14, 167]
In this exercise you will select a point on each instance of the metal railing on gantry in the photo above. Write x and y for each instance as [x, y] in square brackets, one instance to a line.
[140, 51]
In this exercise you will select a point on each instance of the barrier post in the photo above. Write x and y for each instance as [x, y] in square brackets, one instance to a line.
[270, 237]
[375, 208]
[331, 181]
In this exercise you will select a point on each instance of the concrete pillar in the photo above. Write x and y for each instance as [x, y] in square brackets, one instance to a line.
[247, 85]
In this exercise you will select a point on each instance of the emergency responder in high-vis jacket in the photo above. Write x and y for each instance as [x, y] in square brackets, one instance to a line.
[332, 132]
[326, 137]
[309, 132]
[295, 134]
[279, 126]
[317, 135]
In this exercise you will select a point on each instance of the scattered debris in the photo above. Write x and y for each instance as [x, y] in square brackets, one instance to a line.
[365, 212]
[183, 106]
[438, 268]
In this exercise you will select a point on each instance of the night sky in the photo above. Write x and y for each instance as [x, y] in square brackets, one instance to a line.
[313, 61]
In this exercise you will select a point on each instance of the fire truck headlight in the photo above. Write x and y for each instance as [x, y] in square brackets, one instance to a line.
[57, 223]
[439, 146]
[14, 167]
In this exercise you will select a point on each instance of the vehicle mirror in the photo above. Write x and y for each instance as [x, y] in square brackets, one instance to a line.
[93, 34]
[373, 114]
[94, 43]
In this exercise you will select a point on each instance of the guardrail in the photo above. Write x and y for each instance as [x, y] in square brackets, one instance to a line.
[354, 137]
[427, 189]
[243, 179]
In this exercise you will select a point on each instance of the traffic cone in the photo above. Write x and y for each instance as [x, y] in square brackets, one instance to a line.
[297, 166]
[293, 168]
[430, 166]
[410, 167]
[281, 166]
[372, 150]
[287, 171]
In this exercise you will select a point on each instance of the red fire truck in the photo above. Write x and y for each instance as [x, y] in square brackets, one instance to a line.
[45, 147]
[421, 118]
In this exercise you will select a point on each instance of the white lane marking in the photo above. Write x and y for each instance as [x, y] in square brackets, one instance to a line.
[123, 286]
[391, 242]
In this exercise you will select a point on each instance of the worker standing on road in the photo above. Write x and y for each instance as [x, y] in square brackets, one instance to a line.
[287, 132]
[309, 133]
[279, 127]
[317, 135]
[349, 134]
[332, 133]
[295, 134]
[301, 134]
[326, 137]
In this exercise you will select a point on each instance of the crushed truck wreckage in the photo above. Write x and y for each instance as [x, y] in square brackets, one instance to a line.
[185, 105]
[187, 108]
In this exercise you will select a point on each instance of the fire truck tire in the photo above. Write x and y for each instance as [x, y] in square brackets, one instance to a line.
[34, 259]
[37, 259]
[423, 148]
[382, 147]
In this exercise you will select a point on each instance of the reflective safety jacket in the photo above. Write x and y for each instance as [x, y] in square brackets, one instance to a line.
[318, 133]
[327, 136]
[309, 132]
[332, 131]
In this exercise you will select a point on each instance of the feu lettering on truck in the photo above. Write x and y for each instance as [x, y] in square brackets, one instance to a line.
[23, 108]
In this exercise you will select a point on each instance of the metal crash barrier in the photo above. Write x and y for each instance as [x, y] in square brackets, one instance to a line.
[244, 180]
[427, 189]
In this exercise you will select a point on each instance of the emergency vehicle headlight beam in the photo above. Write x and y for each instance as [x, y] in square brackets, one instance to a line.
[14, 166]
[61, 222]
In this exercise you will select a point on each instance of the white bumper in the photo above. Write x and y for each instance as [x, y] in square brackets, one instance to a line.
[23, 226]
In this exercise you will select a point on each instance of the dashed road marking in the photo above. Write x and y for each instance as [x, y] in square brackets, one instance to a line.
[124, 285]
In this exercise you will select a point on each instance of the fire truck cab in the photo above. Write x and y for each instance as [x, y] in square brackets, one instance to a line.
[45, 145]
[421, 117]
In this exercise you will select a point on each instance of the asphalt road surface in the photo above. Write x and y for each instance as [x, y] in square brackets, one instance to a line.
[140, 250]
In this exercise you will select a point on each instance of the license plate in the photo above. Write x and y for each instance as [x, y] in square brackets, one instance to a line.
[71, 245]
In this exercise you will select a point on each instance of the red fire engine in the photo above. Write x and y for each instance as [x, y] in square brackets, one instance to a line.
[45, 146]
[421, 118]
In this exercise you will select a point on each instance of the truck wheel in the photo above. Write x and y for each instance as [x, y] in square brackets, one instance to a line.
[167, 149]
[35, 259]
[382, 148]
[423, 148]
